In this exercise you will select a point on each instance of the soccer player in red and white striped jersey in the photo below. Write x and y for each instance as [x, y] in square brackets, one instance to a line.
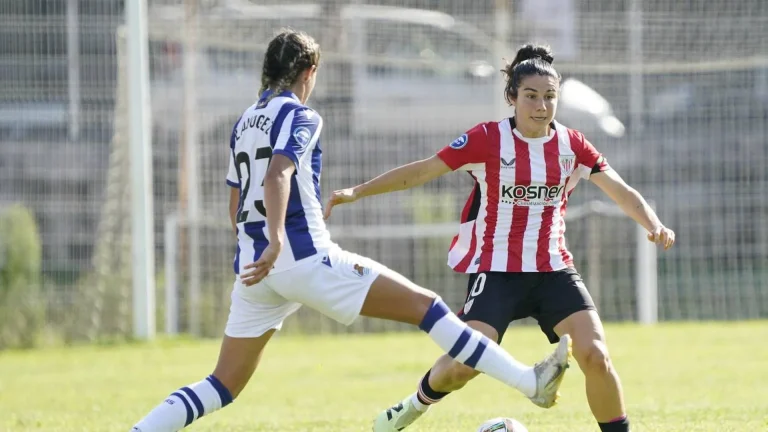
[513, 219]
[511, 241]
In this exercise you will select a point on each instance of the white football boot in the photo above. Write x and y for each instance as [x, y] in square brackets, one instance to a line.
[550, 373]
[397, 417]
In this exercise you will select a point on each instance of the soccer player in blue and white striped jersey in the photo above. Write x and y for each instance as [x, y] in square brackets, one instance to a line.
[285, 257]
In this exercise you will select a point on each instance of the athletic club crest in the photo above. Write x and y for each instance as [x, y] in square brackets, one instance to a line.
[567, 164]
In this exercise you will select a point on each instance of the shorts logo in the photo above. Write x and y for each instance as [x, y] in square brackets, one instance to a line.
[460, 142]
[302, 136]
[567, 164]
[476, 290]
[361, 271]
[327, 261]
[468, 305]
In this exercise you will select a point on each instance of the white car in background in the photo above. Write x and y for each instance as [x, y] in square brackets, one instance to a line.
[407, 71]
[418, 71]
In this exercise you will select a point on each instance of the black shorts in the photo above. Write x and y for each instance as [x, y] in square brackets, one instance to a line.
[498, 298]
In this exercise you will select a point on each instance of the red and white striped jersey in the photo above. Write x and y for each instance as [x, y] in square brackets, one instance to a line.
[513, 220]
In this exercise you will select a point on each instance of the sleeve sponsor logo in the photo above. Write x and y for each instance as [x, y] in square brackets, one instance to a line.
[460, 142]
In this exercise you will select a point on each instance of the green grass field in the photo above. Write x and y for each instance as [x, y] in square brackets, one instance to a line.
[677, 377]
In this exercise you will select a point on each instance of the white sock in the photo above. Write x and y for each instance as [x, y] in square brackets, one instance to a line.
[417, 403]
[472, 348]
[186, 405]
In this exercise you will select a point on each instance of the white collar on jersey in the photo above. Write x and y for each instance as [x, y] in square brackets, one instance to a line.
[284, 93]
[540, 140]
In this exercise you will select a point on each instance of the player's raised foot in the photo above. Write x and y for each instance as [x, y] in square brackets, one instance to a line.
[397, 417]
[550, 373]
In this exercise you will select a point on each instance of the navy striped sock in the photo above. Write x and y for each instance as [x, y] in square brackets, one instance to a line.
[186, 405]
[452, 335]
[475, 350]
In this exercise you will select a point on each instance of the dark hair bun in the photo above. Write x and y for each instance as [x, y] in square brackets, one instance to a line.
[530, 51]
[529, 60]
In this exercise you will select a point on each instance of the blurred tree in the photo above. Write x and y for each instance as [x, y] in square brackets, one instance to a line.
[21, 304]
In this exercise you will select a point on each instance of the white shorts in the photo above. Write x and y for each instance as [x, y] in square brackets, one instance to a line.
[335, 283]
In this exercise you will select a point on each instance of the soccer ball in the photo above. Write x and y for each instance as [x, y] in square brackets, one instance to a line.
[502, 424]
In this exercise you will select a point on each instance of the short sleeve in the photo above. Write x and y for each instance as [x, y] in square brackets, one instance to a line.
[300, 131]
[232, 179]
[588, 160]
[467, 149]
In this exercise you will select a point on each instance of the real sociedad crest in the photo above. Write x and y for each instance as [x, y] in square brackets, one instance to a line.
[302, 136]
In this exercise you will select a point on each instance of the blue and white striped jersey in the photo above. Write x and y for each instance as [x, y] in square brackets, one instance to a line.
[281, 125]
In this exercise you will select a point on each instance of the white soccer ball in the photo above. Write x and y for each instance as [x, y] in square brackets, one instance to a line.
[502, 424]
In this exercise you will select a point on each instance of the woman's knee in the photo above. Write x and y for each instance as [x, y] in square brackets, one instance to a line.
[394, 297]
[593, 357]
[589, 348]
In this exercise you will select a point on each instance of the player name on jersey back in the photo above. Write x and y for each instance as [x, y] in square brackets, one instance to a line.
[260, 122]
